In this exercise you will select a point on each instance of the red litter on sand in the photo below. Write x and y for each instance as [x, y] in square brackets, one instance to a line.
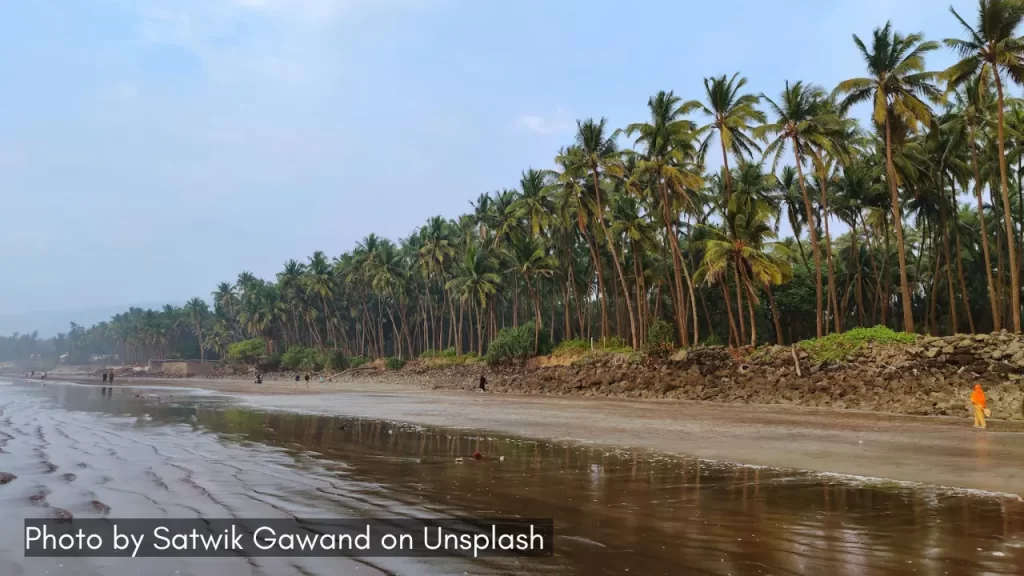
[476, 455]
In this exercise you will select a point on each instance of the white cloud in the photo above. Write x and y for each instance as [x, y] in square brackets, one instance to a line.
[558, 123]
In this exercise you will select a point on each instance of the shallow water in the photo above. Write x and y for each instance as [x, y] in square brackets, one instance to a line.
[168, 453]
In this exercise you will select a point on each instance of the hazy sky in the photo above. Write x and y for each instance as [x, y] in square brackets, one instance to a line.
[152, 148]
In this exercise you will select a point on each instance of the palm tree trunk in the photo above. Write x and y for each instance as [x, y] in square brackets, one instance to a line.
[602, 294]
[734, 336]
[1004, 189]
[856, 262]
[739, 302]
[828, 254]
[676, 264]
[908, 314]
[814, 238]
[615, 260]
[728, 173]
[775, 316]
[984, 235]
[934, 294]
[745, 280]
[960, 263]
[949, 259]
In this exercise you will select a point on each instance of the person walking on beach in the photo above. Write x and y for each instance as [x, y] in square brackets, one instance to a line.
[111, 377]
[104, 377]
[980, 410]
[483, 383]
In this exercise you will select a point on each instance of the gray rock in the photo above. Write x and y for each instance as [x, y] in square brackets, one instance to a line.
[948, 350]
[931, 353]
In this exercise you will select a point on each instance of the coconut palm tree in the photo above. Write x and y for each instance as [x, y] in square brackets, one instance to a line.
[992, 48]
[802, 120]
[745, 244]
[197, 311]
[734, 115]
[897, 84]
[669, 160]
[599, 153]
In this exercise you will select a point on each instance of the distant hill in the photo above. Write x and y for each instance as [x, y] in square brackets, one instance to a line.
[50, 323]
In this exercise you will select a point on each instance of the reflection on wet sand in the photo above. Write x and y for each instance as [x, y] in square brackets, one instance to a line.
[615, 510]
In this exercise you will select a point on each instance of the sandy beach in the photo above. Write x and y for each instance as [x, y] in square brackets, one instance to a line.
[932, 450]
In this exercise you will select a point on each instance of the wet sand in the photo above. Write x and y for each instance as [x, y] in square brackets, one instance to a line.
[933, 450]
[166, 453]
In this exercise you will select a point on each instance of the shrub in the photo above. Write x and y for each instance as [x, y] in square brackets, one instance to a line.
[270, 364]
[573, 347]
[515, 345]
[335, 361]
[661, 339]
[303, 359]
[836, 347]
[394, 363]
[356, 362]
[615, 344]
[247, 351]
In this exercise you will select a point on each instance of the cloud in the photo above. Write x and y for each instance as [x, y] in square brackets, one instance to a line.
[558, 123]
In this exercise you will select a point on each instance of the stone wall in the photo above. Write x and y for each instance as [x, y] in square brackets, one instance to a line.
[934, 376]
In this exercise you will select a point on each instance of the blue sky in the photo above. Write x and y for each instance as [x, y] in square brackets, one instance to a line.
[152, 148]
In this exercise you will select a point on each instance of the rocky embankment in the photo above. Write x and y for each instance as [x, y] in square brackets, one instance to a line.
[932, 376]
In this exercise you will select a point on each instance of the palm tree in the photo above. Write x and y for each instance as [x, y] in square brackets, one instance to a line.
[476, 281]
[669, 160]
[896, 85]
[743, 243]
[973, 104]
[599, 153]
[802, 122]
[992, 48]
[733, 116]
[529, 258]
[197, 311]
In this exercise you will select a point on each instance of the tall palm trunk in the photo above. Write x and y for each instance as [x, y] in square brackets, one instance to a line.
[984, 235]
[615, 260]
[679, 263]
[1005, 192]
[949, 259]
[960, 264]
[855, 261]
[775, 316]
[901, 253]
[828, 253]
[819, 316]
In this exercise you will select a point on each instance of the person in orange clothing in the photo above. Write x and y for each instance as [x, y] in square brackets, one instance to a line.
[978, 400]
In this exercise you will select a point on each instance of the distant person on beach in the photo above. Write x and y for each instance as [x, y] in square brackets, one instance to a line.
[111, 377]
[307, 378]
[259, 378]
[104, 377]
[44, 374]
[483, 383]
[296, 377]
[980, 410]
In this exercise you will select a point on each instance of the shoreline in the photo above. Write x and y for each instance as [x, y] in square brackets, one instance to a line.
[941, 451]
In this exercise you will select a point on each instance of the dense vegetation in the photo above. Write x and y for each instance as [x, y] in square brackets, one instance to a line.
[913, 220]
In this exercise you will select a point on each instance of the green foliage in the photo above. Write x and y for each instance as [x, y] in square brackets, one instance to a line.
[356, 362]
[247, 351]
[446, 353]
[270, 364]
[302, 358]
[515, 345]
[615, 344]
[836, 347]
[336, 361]
[661, 339]
[574, 347]
[394, 363]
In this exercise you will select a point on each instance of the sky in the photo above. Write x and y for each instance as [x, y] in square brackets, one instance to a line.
[150, 149]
